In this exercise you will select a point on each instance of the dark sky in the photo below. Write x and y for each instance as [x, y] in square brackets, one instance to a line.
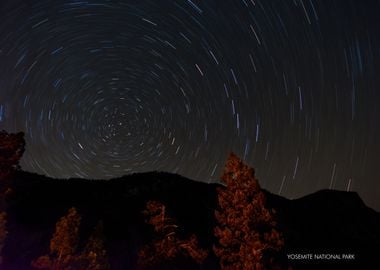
[107, 88]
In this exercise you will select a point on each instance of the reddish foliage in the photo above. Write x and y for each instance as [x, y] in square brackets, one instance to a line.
[12, 147]
[66, 236]
[168, 246]
[95, 255]
[63, 248]
[246, 228]
[63, 244]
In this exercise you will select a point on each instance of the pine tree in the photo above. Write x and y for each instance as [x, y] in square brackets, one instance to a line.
[168, 247]
[66, 236]
[63, 244]
[64, 254]
[245, 227]
[12, 147]
[94, 256]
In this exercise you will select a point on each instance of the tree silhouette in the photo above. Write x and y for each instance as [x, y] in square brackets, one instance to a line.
[245, 227]
[12, 147]
[168, 248]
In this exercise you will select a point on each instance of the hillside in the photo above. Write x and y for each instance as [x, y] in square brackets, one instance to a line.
[323, 222]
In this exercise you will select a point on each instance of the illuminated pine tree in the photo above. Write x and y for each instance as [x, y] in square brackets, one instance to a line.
[66, 236]
[64, 254]
[168, 247]
[63, 244]
[245, 227]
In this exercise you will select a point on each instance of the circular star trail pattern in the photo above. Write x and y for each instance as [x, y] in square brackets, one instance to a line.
[106, 88]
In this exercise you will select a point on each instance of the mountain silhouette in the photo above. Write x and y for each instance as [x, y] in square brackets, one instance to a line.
[325, 222]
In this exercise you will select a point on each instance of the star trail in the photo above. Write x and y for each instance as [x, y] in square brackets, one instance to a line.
[107, 88]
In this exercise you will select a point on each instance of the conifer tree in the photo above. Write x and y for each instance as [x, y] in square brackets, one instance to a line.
[12, 147]
[246, 229]
[168, 246]
[66, 236]
[63, 244]
[94, 256]
[64, 254]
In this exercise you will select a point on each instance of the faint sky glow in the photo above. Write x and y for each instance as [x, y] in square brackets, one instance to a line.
[103, 88]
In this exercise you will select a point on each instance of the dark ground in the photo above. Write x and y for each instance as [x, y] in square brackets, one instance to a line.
[326, 222]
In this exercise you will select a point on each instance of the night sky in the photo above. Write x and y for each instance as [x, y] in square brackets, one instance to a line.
[107, 88]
